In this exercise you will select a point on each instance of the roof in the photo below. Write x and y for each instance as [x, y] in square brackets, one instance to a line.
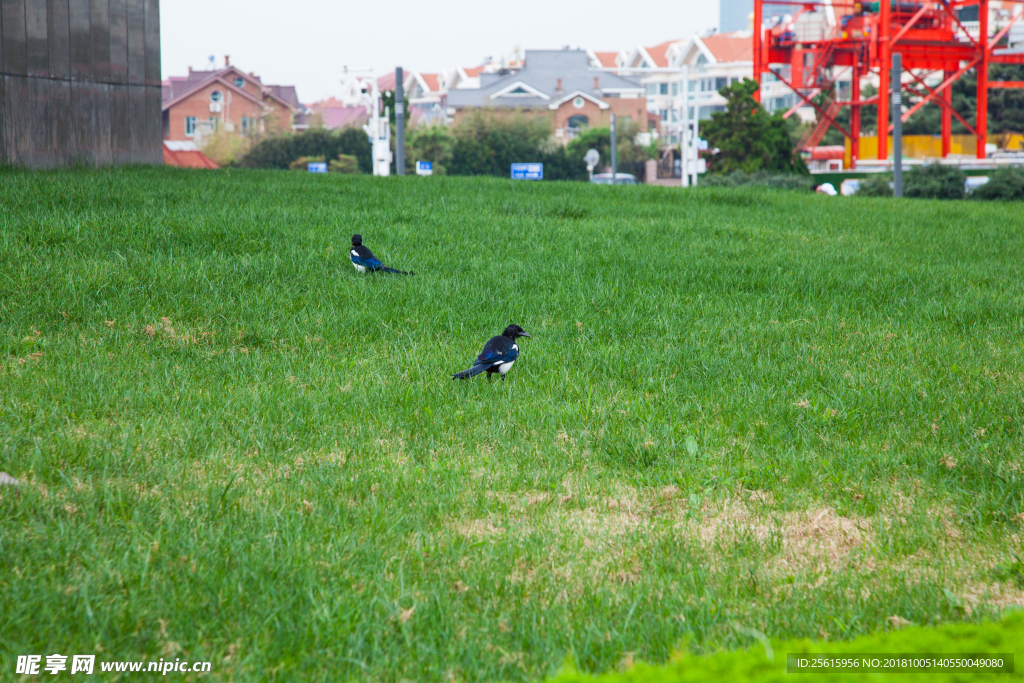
[730, 47]
[387, 81]
[536, 84]
[433, 81]
[607, 59]
[186, 155]
[657, 53]
[286, 93]
[473, 71]
[333, 114]
[199, 85]
[176, 88]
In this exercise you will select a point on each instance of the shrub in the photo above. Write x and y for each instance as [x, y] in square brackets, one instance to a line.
[1005, 184]
[282, 150]
[434, 144]
[934, 181]
[875, 186]
[485, 144]
[226, 148]
[345, 163]
[302, 163]
[786, 181]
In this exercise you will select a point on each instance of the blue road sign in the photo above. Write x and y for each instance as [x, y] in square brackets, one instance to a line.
[424, 168]
[317, 167]
[528, 171]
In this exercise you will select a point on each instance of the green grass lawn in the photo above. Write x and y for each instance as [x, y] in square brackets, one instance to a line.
[738, 410]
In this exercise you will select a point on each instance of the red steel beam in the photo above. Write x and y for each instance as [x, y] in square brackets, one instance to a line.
[758, 35]
[818, 109]
[945, 84]
[884, 69]
[981, 118]
[942, 102]
[999, 36]
[1006, 84]
[907, 26]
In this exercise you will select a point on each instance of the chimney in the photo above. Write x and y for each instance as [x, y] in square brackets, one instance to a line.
[190, 69]
[597, 84]
[558, 88]
[227, 60]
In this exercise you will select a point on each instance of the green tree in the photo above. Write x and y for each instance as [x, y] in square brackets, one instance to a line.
[629, 155]
[432, 143]
[746, 138]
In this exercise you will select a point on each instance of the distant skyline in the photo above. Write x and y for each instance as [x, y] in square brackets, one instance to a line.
[306, 43]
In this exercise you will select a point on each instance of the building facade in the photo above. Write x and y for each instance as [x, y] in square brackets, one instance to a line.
[228, 100]
[79, 82]
[559, 85]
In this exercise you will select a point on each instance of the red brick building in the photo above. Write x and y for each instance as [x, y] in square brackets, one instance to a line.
[228, 100]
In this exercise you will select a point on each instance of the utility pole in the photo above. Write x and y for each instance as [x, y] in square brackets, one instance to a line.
[615, 165]
[897, 125]
[399, 123]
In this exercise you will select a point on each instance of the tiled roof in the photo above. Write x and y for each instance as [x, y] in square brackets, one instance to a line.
[473, 71]
[183, 156]
[544, 72]
[333, 114]
[730, 47]
[432, 81]
[657, 53]
[285, 93]
[607, 59]
[387, 81]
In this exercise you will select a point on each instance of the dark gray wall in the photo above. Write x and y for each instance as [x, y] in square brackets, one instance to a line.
[80, 82]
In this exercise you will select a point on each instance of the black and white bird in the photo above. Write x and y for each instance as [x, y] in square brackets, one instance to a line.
[499, 354]
[364, 260]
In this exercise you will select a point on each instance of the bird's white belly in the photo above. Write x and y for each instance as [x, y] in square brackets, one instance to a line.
[505, 367]
[361, 269]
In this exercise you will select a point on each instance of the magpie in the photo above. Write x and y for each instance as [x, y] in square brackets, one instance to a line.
[364, 260]
[498, 355]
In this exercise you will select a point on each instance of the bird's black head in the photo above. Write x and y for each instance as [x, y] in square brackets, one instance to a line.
[357, 240]
[515, 331]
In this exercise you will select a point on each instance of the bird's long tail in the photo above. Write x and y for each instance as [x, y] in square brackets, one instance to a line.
[396, 272]
[475, 370]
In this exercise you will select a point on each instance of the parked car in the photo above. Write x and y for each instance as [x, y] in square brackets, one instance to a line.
[606, 179]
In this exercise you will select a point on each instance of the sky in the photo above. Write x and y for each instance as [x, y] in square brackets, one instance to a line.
[306, 43]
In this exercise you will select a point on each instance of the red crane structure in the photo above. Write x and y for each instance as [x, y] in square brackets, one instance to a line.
[929, 36]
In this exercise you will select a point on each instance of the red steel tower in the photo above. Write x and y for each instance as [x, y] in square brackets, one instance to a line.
[929, 36]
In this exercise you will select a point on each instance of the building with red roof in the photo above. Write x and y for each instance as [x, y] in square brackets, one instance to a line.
[228, 100]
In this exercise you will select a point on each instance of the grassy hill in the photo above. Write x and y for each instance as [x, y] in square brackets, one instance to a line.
[738, 410]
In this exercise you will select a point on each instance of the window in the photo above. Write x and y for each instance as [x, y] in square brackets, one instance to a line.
[721, 83]
[663, 89]
[664, 114]
[675, 89]
[578, 102]
[248, 125]
[577, 121]
[702, 60]
[239, 82]
[216, 96]
[214, 122]
[652, 89]
[190, 126]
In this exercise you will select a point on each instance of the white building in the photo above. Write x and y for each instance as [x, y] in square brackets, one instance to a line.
[715, 61]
